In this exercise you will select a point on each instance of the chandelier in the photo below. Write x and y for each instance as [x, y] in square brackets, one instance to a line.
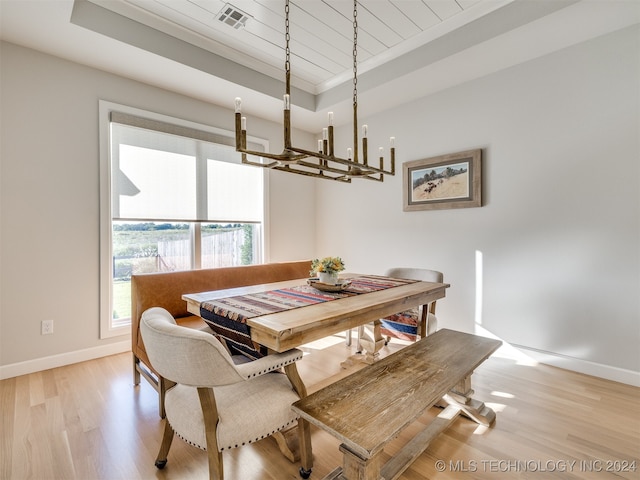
[323, 163]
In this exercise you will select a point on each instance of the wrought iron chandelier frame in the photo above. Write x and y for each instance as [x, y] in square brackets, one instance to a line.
[322, 163]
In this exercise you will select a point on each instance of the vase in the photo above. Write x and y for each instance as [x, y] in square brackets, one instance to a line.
[328, 278]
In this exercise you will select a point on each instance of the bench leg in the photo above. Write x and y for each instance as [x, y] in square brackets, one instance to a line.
[160, 384]
[136, 372]
[356, 468]
[461, 397]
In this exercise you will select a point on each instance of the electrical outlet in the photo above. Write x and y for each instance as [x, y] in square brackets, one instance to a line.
[46, 327]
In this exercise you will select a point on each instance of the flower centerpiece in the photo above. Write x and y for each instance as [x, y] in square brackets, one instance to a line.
[327, 269]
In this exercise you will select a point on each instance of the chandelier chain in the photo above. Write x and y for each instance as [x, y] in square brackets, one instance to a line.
[355, 52]
[287, 37]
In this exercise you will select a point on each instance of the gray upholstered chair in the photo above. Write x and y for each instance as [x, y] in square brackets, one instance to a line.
[219, 404]
[416, 322]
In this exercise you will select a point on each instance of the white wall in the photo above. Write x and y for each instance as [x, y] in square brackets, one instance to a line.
[559, 232]
[49, 248]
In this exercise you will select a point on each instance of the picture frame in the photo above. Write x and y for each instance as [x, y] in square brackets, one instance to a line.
[448, 181]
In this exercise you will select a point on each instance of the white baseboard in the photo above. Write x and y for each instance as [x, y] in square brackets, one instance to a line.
[629, 377]
[60, 360]
[608, 372]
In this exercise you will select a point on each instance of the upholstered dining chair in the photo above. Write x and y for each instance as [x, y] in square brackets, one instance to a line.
[408, 325]
[218, 404]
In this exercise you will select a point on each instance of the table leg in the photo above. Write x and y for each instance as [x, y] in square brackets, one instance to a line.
[371, 344]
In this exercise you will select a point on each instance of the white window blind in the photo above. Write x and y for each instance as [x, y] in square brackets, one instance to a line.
[235, 192]
[169, 172]
[174, 196]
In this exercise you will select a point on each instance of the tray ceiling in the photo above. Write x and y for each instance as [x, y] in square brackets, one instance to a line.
[321, 31]
[406, 48]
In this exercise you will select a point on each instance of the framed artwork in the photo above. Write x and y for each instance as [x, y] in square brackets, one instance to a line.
[447, 181]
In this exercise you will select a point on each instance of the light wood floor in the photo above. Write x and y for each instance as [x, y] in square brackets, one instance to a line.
[87, 421]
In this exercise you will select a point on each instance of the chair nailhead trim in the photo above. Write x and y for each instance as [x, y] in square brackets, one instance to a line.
[251, 441]
[190, 443]
[275, 367]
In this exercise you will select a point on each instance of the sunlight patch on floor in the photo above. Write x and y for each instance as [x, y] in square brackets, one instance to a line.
[502, 394]
[326, 342]
[496, 407]
[481, 430]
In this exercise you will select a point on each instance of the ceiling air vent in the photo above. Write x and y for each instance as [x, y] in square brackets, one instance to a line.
[233, 16]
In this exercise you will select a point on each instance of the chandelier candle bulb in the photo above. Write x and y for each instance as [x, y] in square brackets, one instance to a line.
[320, 146]
[365, 131]
[238, 103]
[325, 133]
[349, 153]
[392, 142]
[330, 115]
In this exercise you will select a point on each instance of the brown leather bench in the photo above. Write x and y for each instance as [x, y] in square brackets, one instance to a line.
[166, 290]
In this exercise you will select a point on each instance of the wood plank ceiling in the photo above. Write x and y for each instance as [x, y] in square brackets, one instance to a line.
[321, 31]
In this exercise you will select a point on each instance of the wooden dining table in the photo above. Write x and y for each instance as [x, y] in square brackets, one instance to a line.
[284, 330]
[291, 328]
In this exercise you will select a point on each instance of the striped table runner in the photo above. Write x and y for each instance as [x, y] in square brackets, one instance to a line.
[227, 317]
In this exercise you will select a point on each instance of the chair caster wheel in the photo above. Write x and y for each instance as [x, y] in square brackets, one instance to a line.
[160, 464]
[305, 473]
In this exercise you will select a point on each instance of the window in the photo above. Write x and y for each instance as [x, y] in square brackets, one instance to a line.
[175, 197]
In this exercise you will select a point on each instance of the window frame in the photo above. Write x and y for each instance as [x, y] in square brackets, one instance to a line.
[105, 109]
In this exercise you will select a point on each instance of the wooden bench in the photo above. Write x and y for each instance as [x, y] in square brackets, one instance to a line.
[369, 408]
